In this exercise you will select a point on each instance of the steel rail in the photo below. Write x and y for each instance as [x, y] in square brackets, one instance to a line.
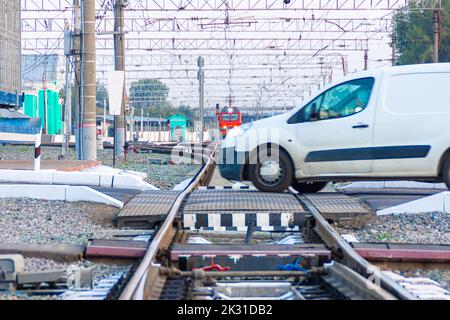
[349, 256]
[134, 289]
[383, 287]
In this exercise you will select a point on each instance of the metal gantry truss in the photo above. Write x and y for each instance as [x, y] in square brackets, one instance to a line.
[180, 45]
[262, 53]
[138, 23]
[231, 5]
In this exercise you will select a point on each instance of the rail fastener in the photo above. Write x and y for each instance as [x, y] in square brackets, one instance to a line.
[201, 274]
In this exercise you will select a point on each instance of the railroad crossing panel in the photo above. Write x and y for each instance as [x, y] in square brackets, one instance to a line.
[339, 207]
[235, 210]
[147, 209]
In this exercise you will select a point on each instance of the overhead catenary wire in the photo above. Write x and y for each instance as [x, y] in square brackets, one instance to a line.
[226, 19]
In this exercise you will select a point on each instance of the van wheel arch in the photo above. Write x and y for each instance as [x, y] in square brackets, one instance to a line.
[247, 176]
[254, 152]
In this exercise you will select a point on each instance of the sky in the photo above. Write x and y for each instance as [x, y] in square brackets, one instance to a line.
[277, 78]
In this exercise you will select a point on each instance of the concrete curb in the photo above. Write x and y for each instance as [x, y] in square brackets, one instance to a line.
[183, 185]
[58, 252]
[396, 185]
[439, 202]
[118, 181]
[58, 193]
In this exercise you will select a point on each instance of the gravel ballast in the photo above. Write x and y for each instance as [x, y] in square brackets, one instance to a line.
[161, 176]
[99, 272]
[440, 276]
[426, 228]
[47, 222]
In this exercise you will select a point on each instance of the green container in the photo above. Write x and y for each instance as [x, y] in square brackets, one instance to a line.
[30, 105]
[54, 124]
[54, 115]
[178, 127]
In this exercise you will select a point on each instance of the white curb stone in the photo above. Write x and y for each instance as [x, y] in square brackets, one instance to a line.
[395, 185]
[131, 182]
[77, 194]
[183, 185]
[92, 179]
[41, 192]
[439, 202]
[76, 178]
[17, 176]
[58, 193]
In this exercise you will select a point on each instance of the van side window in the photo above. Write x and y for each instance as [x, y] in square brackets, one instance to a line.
[346, 99]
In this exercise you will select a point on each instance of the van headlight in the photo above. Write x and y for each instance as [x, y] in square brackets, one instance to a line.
[239, 131]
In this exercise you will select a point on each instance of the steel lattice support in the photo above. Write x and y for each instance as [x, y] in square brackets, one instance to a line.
[233, 5]
[247, 44]
[180, 45]
[207, 25]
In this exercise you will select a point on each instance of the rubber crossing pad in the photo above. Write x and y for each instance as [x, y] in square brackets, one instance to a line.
[147, 209]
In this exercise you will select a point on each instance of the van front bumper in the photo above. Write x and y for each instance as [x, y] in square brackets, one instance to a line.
[232, 164]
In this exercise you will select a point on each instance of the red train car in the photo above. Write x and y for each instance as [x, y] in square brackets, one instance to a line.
[229, 118]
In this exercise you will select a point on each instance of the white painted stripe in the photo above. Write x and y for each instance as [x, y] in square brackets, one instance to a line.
[189, 220]
[262, 220]
[214, 220]
[286, 218]
[238, 220]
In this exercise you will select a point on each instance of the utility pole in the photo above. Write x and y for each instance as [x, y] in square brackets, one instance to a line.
[77, 73]
[436, 33]
[88, 97]
[68, 106]
[366, 59]
[133, 123]
[322, 73]
[105, 125]
[44, 87]
[201, 79]
[394, 48]
[217, 121]
[119, 54]
[142, 123]
[159, 129]
[344, 66]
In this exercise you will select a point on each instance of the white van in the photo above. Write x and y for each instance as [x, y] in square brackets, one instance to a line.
[385, 124]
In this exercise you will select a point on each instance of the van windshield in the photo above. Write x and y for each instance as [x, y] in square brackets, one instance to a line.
[343, 100]
[346, 99]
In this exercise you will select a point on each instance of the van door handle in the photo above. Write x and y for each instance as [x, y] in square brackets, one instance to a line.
[361, 126]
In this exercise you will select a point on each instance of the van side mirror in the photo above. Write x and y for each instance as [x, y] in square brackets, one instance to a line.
[314, 113]
[314, 116]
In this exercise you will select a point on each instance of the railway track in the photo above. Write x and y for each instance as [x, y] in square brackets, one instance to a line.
[303, 258]
[229, 243]
[163, 238]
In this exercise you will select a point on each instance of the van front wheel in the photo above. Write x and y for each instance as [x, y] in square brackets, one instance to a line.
[273, 171]
[446, 172]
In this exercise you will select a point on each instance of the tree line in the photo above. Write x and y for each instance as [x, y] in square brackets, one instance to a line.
[414, 30]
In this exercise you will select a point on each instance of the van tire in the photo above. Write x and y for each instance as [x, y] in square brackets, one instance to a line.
[286, 175]
[311, 187]
[446, 172]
